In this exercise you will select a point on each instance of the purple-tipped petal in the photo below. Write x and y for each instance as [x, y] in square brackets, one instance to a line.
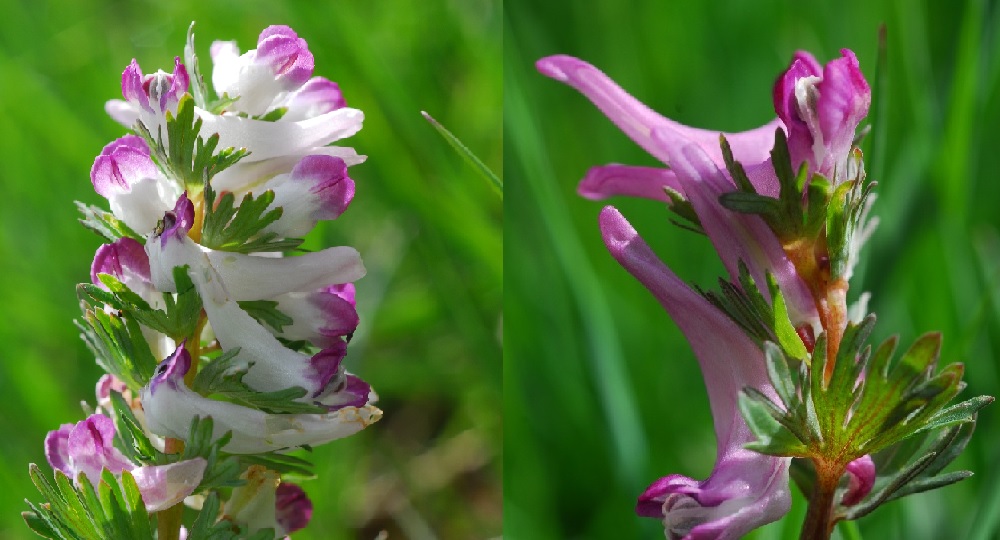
[317, 96]
[639, 121]
[346, 291]
[745, 489]
[171, 371]
[91, 449]
[133, 88]
[325, 366]
[614, 179]
[844, 101]
[166, 89]
[861, 479]
[177, 222]
[292, 507]
[322, 317]
[121, 163]
[125, 259]
[170, 405]
[57, 449]
[317, 188]
[327, 179]
[286, 54]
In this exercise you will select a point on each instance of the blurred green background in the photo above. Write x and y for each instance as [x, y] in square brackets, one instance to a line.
[602, 394]
[428, 227]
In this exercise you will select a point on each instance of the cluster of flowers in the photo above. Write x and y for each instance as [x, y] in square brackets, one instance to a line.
[272, 330]
[819, 109]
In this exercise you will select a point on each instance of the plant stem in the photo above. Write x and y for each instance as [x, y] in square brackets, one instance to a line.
[819, 516]
[168, 522]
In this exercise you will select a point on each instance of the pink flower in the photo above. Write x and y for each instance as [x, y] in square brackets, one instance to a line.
[697, 172]
[87, 448]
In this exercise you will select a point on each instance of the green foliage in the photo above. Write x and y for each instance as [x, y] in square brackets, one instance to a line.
[207, 527]
[114, 510]
[240, 228]
[787, 216]
[105, 224]
[118, 345]
[185, 155]
[178, 319]
[469, 156]
[266, 312]
[869, 405]
[761, 320]
[221, 379]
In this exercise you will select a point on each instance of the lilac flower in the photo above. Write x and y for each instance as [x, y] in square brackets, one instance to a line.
[87, 448]
[170, 405]
[745, 489]
[819, 109]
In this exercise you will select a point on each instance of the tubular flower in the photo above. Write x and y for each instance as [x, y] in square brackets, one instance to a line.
[170, 405]
[200, 234]
[696, 172]
[818, 108]
[745, 489]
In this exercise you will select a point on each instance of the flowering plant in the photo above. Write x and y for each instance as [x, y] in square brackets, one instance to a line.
[223, 350]
[793, 386]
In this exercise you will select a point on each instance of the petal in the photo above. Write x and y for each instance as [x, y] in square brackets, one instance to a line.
[861, 479]
[225, 66]
[132, 86]
[249, 277]
[286, 54]
[272, 139]
[610, 180]
[844, 99]
[126, 260]
[91, 449]
[318, 188]
[57, 449]
[745, 489]
[292, 507]
[170, 405]
[122, 112]
[163, 486]
[737, 237]
[121, 163]
[317, 96]
[320, 317]
[639, 121]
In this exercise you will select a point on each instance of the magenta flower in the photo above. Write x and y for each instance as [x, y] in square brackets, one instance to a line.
[818, 108]
[821, 108]
[697, 172]
[745, 489]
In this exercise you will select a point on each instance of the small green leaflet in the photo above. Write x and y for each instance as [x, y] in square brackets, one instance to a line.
[105, 224]
[240, 228]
